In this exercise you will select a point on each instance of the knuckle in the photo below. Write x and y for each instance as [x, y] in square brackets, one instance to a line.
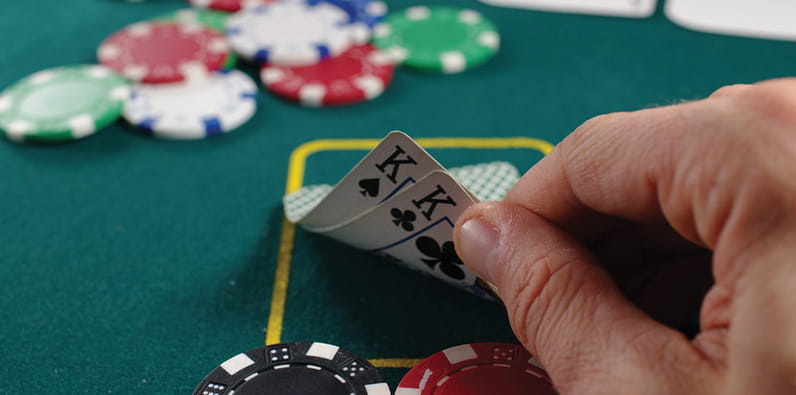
[771, 101]
[577, 149]
[729, 90]
[585, 133]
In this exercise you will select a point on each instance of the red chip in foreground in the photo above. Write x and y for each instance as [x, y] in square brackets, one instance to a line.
[227, 5]
[164, 52]
[478, 369]
[358, 74]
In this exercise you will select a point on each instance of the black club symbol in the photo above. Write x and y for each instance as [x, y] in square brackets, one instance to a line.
[404, 218]
[444, 255]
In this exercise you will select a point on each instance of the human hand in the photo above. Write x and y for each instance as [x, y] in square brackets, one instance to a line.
[702, 186]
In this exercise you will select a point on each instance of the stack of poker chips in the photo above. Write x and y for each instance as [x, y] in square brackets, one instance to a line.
[172, 77]
[181, 89]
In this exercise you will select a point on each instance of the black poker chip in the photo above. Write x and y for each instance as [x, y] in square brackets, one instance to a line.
[297, 368]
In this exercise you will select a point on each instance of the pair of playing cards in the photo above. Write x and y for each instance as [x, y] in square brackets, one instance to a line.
[400, 203]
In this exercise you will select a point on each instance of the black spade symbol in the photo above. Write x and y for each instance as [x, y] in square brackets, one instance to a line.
[370, 187]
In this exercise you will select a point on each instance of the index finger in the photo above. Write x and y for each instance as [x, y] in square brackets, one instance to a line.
[614, 167]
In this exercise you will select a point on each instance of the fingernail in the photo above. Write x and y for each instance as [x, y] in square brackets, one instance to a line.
[478, 242]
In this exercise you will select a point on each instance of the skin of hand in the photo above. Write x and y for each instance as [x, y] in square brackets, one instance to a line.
[707, 187]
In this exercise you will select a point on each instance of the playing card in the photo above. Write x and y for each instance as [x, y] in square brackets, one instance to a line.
[772, 19]
[415, 227]
[395, 163]
[408, 217]
[486, 181]
[624, 8]
[436, 198]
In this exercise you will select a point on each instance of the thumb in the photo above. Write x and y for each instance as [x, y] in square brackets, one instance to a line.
[567, 311]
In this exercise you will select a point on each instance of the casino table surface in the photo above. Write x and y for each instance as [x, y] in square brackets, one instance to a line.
[136, 265]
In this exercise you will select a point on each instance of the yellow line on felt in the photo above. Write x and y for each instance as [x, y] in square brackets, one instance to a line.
[273, 333]
[394, 362]
[295, 179]
[299, 156]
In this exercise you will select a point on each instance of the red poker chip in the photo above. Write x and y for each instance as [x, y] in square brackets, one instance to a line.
[164, 52]
[358, 74]
[227, 5]
[478, 369]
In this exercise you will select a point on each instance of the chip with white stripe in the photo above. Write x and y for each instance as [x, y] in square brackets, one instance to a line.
[62, 104]
[195, 109]
[438, 39]
[361, 73]
[478, 369]
[295, 368]
[293, 32]
[162, 51]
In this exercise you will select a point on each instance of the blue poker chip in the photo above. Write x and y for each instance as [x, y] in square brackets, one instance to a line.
[367, 12]
[293, 32]
[199, 108]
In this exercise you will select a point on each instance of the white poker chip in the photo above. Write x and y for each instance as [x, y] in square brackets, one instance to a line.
[193, 110]
[293, 32]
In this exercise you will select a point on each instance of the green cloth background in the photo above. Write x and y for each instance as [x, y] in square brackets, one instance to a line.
[135, 265]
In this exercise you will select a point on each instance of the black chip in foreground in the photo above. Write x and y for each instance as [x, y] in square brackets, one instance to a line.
[296, 368]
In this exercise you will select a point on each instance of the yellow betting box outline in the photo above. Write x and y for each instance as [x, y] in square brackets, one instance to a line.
[295, 178]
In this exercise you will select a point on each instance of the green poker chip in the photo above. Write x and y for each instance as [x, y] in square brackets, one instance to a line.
[215, 20]
[62, 104]
[439, 39]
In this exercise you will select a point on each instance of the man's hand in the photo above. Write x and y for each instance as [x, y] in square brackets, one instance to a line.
[701, 188]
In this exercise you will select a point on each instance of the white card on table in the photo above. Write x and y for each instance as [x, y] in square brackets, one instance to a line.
[771, 19]
[395, 163]
[623, 8]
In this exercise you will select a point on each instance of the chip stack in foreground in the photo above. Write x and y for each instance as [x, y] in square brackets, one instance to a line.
[293, 369]
[478, 369]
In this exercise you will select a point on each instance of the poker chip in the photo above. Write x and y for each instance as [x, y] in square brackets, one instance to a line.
[193, 109]
[440, 39]
[358, 74]
[227, 5]
[476, 369]
[366, 12]
[293, 32]
[215, 20]
[294, 368]
[62, 104]
[159, 52]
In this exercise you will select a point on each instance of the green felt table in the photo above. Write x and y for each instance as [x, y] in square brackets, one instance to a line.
[135, 265]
